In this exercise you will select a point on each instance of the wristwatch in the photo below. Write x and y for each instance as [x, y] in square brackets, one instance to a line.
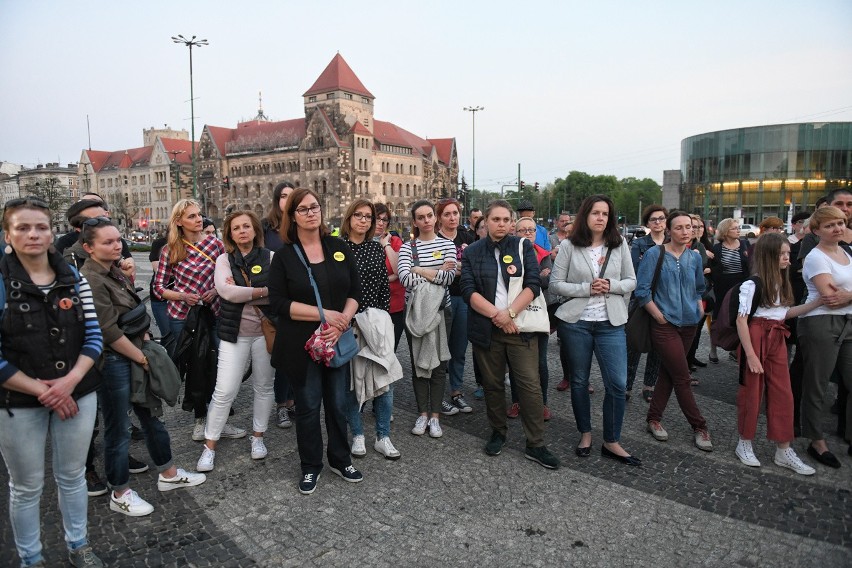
[512, 313]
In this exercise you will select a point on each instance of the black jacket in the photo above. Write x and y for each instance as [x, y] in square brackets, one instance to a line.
[196, 356]
[479, 274]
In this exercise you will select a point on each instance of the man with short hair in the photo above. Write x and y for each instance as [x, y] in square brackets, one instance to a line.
[527, 209]
[564, 225]
[475, 215]
[88, 208]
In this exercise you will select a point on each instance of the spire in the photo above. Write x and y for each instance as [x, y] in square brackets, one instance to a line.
[260, 116]
[338, 76]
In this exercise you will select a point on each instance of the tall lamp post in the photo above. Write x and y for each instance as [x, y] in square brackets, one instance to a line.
[473, 110]
[190, 43]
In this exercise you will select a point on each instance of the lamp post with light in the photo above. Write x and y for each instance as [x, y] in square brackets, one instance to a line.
[190, 43]
[473, 110]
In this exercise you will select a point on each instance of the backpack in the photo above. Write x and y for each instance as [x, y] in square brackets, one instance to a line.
[724, 328]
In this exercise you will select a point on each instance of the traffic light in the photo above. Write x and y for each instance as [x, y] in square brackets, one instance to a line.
[621, 219]
[522, 185]
[536, 186]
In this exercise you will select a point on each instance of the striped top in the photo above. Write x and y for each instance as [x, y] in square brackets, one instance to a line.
[731, 261]
[430, 254]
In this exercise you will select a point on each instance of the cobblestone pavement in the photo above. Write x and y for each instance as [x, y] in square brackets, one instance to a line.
[446, 502]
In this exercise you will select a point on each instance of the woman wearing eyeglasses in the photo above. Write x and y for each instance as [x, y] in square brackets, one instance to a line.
[50, 342]
[293, 300]
[115, 296]
[654, 218]
[729, 267]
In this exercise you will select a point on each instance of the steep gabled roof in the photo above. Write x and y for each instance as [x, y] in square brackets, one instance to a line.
[338, 76]
[97, 158]
[176, 145]
[444, 148]
[359, 128]
[220, 136]
[120, 158]
[391, 134]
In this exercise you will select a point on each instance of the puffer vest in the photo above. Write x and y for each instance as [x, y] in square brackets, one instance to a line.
[230, 314]
[43, 334]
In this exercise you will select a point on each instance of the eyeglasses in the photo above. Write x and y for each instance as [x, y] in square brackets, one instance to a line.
[362, 216]
[382, 220]
[95, 221]
[656, 219]
[32, 201]
[527, 231]
[303, 211]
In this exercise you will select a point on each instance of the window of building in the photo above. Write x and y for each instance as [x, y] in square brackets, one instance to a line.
[392, 190]
[347, 96]
[365, 100]
[384, 188]
[323, 186]
[407, 190]
[312, 99]
[367, 186]
[330, 96]
[102, 183]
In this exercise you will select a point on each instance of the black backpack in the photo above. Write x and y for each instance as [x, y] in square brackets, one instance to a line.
[724, 329]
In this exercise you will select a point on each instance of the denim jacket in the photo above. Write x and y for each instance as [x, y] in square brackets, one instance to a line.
[679, 287]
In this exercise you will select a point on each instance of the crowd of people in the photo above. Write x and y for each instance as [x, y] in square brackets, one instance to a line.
[282, 301]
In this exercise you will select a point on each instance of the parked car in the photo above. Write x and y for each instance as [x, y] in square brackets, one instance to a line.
[750, 231]
[138, 237]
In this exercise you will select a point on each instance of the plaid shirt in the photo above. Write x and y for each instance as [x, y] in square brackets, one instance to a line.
[194, 274]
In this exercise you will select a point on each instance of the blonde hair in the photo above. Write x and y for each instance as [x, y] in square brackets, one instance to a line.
[723, 227]
[824, 214]
[177, 250]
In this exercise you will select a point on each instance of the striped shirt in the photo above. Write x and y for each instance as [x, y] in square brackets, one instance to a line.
[193, 275]
[430, 254]
[731, 261]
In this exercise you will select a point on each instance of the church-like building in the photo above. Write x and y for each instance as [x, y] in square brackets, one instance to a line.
[338, 149]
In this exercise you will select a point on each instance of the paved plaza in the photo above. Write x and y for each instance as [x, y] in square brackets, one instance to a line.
[446, 503]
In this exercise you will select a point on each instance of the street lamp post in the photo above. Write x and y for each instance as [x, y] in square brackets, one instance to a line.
[473, 110]
[190, 43]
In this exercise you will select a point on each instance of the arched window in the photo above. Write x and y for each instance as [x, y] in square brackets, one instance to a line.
[323, 186]
[392, 188]
[407, 190]
[384, 188]
[360, 187]
[316, 186]
[367, 186]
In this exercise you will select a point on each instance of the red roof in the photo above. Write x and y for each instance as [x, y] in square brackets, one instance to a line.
[444, 148]
[97, 158]
[120, 158]
[359, 128]
[338, 76]
[176, 145]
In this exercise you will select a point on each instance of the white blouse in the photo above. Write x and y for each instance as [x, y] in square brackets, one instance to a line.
[776, 312]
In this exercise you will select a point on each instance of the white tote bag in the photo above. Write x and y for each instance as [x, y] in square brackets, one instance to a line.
[534, 318]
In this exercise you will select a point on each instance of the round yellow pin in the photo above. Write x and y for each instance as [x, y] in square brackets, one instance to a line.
[256, 269]
[508, 259]
[437, 254]
[339, 256]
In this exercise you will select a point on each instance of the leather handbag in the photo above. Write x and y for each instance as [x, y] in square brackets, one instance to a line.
[266, 324]
[638, 327]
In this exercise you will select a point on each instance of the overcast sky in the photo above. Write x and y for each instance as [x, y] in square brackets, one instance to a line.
[601, 87]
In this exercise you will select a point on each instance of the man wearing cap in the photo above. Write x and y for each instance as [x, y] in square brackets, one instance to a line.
[76, 215]
[527, 209]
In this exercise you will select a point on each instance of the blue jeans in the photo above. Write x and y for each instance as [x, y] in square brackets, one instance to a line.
[23, 436]
[382, 407]
[457, 342]
[323, 386]
[114, 397]
[609, 345]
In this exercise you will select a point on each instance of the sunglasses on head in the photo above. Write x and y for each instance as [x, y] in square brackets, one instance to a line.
[95, 221]
[32, 201]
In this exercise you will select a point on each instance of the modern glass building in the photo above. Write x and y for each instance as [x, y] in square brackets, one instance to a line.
[764, 171]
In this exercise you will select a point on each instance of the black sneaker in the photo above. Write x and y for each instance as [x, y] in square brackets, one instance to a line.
[136, 433]
[460, 403]
[448, 409]
[94, 485]
[136, 466]
[543, 456]
[495, 444]
[309, 483]
[349, 473]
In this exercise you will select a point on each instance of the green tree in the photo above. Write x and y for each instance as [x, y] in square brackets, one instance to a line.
[50, 190]
[633, 195]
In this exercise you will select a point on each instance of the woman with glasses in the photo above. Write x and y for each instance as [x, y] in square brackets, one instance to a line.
[449, 217]
[293, 301]
[654, 218]
[50, 342]
[357, 229]
[114, 296]
[729, 267]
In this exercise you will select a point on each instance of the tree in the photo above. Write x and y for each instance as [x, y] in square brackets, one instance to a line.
[50, 190]
[632, 193]
[125, 209]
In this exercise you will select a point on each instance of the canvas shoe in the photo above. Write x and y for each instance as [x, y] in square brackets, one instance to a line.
[788, 458]
[207, 460]
[745, 452]
[702, 441]
[542, 456]
[359, 449]
[495, 445]
[136, 466]
[460, 403]
[258, 448]
[232, 432]
[308, 484]
[385, 447]
[198, 430]
[283, 418]
[657, 431]
[94, 485]
[130, 504]
[349, 473]
[182, 479]
[448, 409]
[84, 557]
[420, 426]
[435, 428]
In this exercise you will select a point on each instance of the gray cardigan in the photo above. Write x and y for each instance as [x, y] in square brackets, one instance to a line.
[572, 277]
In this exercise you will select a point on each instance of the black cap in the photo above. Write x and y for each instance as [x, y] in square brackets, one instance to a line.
[525, 205]
[801, 216]
[81, 206]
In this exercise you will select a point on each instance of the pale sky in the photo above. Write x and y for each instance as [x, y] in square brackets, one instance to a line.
[603, 87]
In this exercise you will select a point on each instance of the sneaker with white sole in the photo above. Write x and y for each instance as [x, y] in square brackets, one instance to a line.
[385, 447]
[349, 473]
[130, 504]
[198, 430]
[420, 426]
[181, 479]
[308, 484]
[232, 432]
[702, 441]
[359, 448]
[435, 428]
[283, 418]
[136, 466]
[788, 458]
[207, 460]
[258, 448]
[460, 403]
[745, 452]
[448, 409]
[657, 431]
[84, 556]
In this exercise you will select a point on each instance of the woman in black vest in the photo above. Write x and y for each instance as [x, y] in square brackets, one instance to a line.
[50, 341]
[241, 278]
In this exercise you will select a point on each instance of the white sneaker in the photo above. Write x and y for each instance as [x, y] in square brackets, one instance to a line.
[258, 448]
[182, 479]
[385, 447]
[130, 504]
[435, 428]
[788, 458]
[198, 430]
[359, 450]
[283, 418]
[420, 426]
[702, 441]
[232, 432]
[745, 452]
[207, 459]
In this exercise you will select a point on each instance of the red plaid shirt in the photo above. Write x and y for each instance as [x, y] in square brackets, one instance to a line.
[193, 275]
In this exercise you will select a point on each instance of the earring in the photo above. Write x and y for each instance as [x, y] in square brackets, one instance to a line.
[8, 249]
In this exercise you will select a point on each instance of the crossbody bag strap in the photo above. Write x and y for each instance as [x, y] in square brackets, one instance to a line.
[521, 256]
[257, 310]
[657, 270]
[311, 278]
[201, 252]
[605, 263]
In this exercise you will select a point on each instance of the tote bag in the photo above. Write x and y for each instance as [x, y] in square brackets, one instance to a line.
[534, 318]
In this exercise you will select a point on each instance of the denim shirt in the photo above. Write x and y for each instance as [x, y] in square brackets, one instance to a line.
[679, 287]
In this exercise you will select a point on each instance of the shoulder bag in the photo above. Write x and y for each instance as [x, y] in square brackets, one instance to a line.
[266, 324]
[534, 318]
[638, 327]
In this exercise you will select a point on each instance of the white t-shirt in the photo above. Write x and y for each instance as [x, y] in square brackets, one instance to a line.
[595, 310]
[817, 262]
[776, 312]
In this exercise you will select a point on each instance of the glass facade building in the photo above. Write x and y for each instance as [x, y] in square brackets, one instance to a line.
[761, 171]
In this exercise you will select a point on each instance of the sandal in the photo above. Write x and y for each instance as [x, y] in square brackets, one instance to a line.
[647, 394]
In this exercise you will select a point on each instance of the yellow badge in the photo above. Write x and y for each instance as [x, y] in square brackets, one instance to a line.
[256, 269]
[339, 256]
[508, 259]
[437, 254]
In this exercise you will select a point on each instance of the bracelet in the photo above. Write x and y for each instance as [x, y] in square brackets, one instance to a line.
[387, 245]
